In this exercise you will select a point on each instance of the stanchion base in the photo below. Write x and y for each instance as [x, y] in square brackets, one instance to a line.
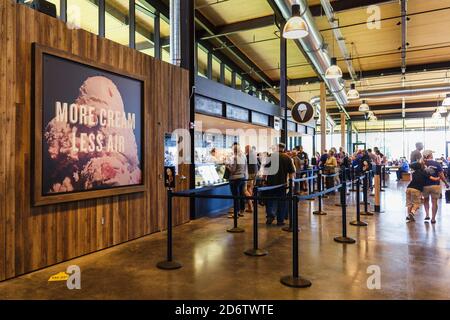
[256, 252]
[344, 240]
[320, 213]
[359, 223]
[366, 213]
[295, 282]
[235, 230]
[168, 265]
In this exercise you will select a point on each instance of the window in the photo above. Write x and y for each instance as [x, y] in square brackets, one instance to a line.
[83, 14]
[202, 61]
[228, 76]
[215, 69]
[238, 82]
[165, 39]
[117, 20]
[145, 28]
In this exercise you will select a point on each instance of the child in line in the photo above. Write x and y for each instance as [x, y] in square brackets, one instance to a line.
[415, 188]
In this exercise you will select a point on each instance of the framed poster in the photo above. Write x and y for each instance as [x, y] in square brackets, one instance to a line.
[88, 129]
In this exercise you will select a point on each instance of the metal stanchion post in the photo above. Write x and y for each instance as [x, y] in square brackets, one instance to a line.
[309, 174]
[255, 251]
[384, 176]
[358, 221]
[344, 238]
[381, 178]
[366, 211]
[319, 189]
[295, 280]
[235, 228]
[352, 176]
[377, 184]
[169, 264]
[288, 228]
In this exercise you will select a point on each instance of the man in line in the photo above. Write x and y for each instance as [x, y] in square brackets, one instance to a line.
[432, 189]
[301, 162]
[277, 176]
[416, 155]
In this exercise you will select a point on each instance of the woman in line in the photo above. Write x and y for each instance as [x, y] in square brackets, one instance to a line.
[237, 166]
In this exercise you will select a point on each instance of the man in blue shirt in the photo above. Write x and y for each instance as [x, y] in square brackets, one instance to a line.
[432, 188]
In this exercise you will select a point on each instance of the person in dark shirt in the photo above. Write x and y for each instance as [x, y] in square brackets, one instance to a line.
[301, 162]
[414, 190]
[281, 169]
[432, 188]
[323, 159]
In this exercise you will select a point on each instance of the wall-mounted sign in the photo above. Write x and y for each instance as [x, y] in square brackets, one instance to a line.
[277, 123]
[169, 177]
[208, 106]
[237, 113]
[88, 136]
[302, 112]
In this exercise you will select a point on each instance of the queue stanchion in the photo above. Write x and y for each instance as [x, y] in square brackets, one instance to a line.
[358, 221]
[288, 228]
[366, 211]
[352, 176]
[309, 174]
[255, 251]
[384, 186]
[319, 212]
[169, 264]
[377, 186]
[235, 228]
[295, 280]
[381, 178]
[344, 238]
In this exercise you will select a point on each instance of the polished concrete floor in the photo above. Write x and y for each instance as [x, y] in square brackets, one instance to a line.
[414, 260]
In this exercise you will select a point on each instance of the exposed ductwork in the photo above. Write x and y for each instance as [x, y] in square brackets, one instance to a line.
[175, 39]
[405, 91]
[314, 47]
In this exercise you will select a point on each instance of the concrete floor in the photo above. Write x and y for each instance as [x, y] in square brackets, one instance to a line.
[414, 260]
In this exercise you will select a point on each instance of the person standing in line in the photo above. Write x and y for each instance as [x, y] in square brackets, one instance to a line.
[237, 165]
[301, 166]
[278, 176]
[416, 155]
[252, 165]
[323, 158]
[331, 167]
[432, 189]
[415, 188]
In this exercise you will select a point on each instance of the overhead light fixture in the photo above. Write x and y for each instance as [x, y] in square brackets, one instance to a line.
[364, 107]
[373, 118]
[436, 116]
[295, 27]
[446, 102]
[333, 72]
[353, 94]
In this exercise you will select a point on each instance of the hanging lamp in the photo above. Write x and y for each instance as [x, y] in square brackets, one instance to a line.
[333, 71]
[353, 94]
[364, 107]
[295, 27]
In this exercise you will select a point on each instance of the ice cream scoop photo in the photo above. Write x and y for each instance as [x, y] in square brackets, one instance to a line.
[90, 143]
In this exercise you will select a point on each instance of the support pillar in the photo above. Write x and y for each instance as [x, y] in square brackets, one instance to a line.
[323, 117]
[343, 130]
[283, 85]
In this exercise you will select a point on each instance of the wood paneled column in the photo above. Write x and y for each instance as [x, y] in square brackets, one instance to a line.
[323, 117]
[343, 130]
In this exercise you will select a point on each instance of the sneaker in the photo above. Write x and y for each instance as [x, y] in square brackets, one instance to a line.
[241, 214]
[231, 216]
[411, 217]
[427, 218]
[269, 220]
[280, 223]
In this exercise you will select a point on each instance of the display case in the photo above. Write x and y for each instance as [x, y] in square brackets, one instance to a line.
[208, 174]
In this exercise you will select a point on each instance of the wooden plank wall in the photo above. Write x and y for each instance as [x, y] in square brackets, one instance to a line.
[36, 237]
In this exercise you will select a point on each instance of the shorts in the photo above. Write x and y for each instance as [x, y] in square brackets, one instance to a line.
[434, 191]
[413, 198]
[250, 183]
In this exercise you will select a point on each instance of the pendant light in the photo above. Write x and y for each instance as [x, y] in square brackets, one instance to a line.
[446, 102]
[333, 72]
[441, 109]
[295, 27]
[436, 116]
[353, 94]
[364, 107]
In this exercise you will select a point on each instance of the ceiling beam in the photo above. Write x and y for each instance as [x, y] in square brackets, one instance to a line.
[339, 6]
[443, 65]
[233, 50]
[247, 25]
[398, 116]
[388, 107]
